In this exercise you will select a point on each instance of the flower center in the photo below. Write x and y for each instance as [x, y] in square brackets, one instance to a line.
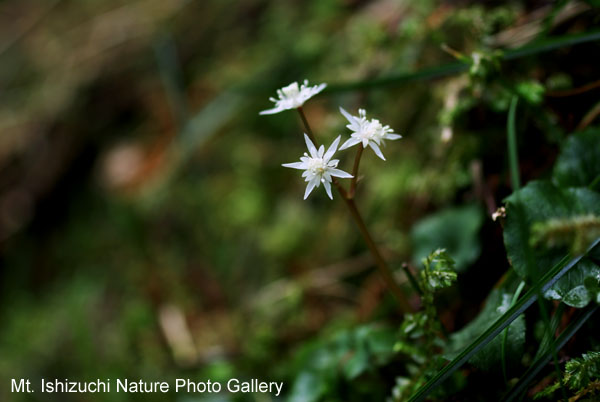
[291, 90]
[370, 130]
[316, 166]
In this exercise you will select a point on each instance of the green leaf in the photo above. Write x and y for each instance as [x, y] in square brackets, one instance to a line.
[380, 343]
[413, 324]
[344, 356]
[583, 370]
[579, 372]
[572, 289]
[578, 164]
[438, 272]
[544, 283]
[542, 359]
[455, 229]
[576, 232]
[357, 363]
[543, 201]
[489, 357]
[532, 91]
[370, 346]
[308, 387]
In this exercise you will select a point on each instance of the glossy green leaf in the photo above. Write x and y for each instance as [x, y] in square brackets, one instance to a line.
[572, 289]
[489, 357]
[541, 201]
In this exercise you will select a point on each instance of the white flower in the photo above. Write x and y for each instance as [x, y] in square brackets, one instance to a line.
[293, 96]
[319, 167]
[368, 132]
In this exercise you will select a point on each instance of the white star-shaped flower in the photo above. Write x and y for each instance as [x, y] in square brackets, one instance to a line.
[319, 167]
[368, 132]
[293, 96]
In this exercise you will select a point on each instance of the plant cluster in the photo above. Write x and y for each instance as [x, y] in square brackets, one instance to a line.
[550, 230]
[147, 229]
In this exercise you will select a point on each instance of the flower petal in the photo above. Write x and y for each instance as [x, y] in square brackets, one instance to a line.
[376, 149]
[392, 136]
[349, 143]
[319, 88]
[295, 165]
[347, 115]
[276, 109]
[327, 186]
[311, 147]
[311, 185]
[332, 148]
[340, 173]
[354, 121]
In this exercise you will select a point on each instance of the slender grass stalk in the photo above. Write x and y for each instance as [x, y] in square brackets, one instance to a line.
[553, 351]
[513, 157]
[536, 47]
[541, 286]
[511, 134]
[544, 358]
[505, 335]
[548, 337]
[384, 269]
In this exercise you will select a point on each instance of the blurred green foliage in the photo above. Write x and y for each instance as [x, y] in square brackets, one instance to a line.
[147, 229]
[455, 229]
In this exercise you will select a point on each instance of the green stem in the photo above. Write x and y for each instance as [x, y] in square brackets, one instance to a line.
[548, 337]
[505, 335]
[546, 319]
[529, 257]
[412, 279]
[384, 269]
[512, 144]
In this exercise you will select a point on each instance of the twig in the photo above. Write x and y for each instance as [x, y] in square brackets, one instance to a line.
[353, 183]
